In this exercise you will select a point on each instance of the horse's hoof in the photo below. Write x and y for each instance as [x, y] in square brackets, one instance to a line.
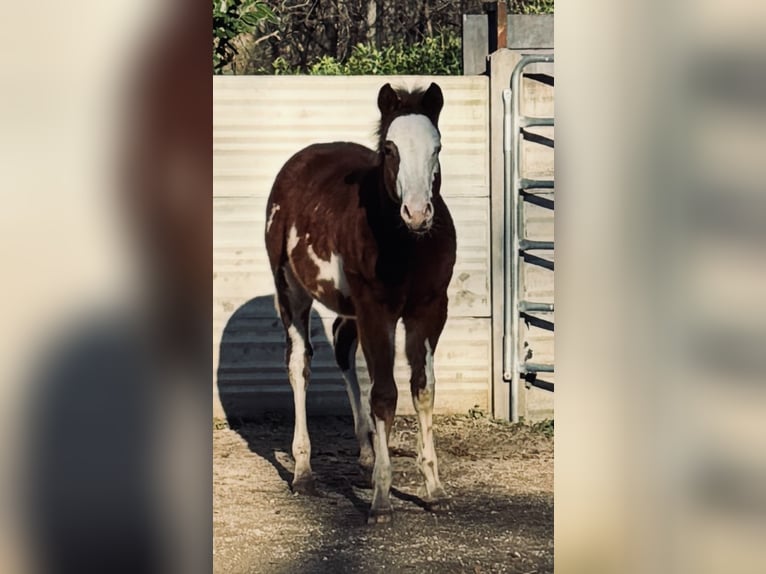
[436, 501]
[305, 487]
[441, 504]
[383, 516]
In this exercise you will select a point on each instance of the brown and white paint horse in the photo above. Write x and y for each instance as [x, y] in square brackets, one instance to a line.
[367, 234]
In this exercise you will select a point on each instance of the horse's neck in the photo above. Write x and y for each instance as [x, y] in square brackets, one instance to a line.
[384, 210]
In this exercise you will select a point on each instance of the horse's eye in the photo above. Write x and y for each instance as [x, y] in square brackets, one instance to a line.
[438, 149]
[388, 148]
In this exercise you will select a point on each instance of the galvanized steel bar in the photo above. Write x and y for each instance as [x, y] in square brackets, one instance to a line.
[531, 122]
[533, 307]
[531, 245]
[536, 184]
[509, 251]
[535, 368]
[514, 222]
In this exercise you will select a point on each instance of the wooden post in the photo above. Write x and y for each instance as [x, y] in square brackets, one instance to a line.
[497, 22]
[502, 25]
[491, 9]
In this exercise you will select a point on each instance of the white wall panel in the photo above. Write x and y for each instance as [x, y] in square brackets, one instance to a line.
[258, 123]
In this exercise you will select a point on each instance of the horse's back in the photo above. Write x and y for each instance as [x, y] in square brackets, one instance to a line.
[313, 213]
[322, 168]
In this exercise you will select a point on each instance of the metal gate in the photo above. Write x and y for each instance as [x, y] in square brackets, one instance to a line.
[516, 245]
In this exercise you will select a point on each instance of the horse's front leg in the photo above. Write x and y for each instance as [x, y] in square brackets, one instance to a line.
[423, 327]
[376, 334]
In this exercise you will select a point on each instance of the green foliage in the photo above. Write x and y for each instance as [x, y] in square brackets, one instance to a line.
[438, 55]
[531, 6]
[326, 66]
[230, 19]
[544, 427]
[281, 67]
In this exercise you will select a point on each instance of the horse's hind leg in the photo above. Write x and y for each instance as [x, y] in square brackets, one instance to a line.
[423, 327]
[295, 308]
[345, 341]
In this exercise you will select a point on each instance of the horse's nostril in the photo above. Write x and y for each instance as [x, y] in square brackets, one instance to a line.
[429, 208]
[406, 211]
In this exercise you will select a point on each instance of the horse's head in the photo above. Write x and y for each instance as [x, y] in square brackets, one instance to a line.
[409, 146]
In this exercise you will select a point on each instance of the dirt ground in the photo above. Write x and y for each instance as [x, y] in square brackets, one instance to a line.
[500, 477]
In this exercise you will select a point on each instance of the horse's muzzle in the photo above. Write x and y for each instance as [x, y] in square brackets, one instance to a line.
[418, 218]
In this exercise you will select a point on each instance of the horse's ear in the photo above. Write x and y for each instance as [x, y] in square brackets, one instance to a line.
[388, 100]
[433, 101]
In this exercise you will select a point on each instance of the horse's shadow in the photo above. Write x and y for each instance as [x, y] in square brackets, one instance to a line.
[257, 399]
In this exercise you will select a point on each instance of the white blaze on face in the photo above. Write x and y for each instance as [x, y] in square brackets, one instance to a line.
[418, 143]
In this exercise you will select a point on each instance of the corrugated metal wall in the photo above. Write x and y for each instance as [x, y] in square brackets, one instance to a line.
[259, 122]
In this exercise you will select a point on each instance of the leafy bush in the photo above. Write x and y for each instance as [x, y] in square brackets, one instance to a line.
[544, 427]
[531, 7]
[232, 18]
[438, 55]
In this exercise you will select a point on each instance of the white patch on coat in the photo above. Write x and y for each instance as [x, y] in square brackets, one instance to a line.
[292, 239]
[331, 270]
[274, 209]
[418, 143]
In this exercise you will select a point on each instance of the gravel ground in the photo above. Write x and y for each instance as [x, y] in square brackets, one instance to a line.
[500, 477]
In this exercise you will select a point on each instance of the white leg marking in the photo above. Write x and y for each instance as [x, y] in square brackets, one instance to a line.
[274, 210]
[360, 406]
[381, 475]
[295, 368]
[424, 406]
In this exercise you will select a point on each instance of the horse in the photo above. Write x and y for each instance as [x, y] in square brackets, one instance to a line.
[368, 234]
